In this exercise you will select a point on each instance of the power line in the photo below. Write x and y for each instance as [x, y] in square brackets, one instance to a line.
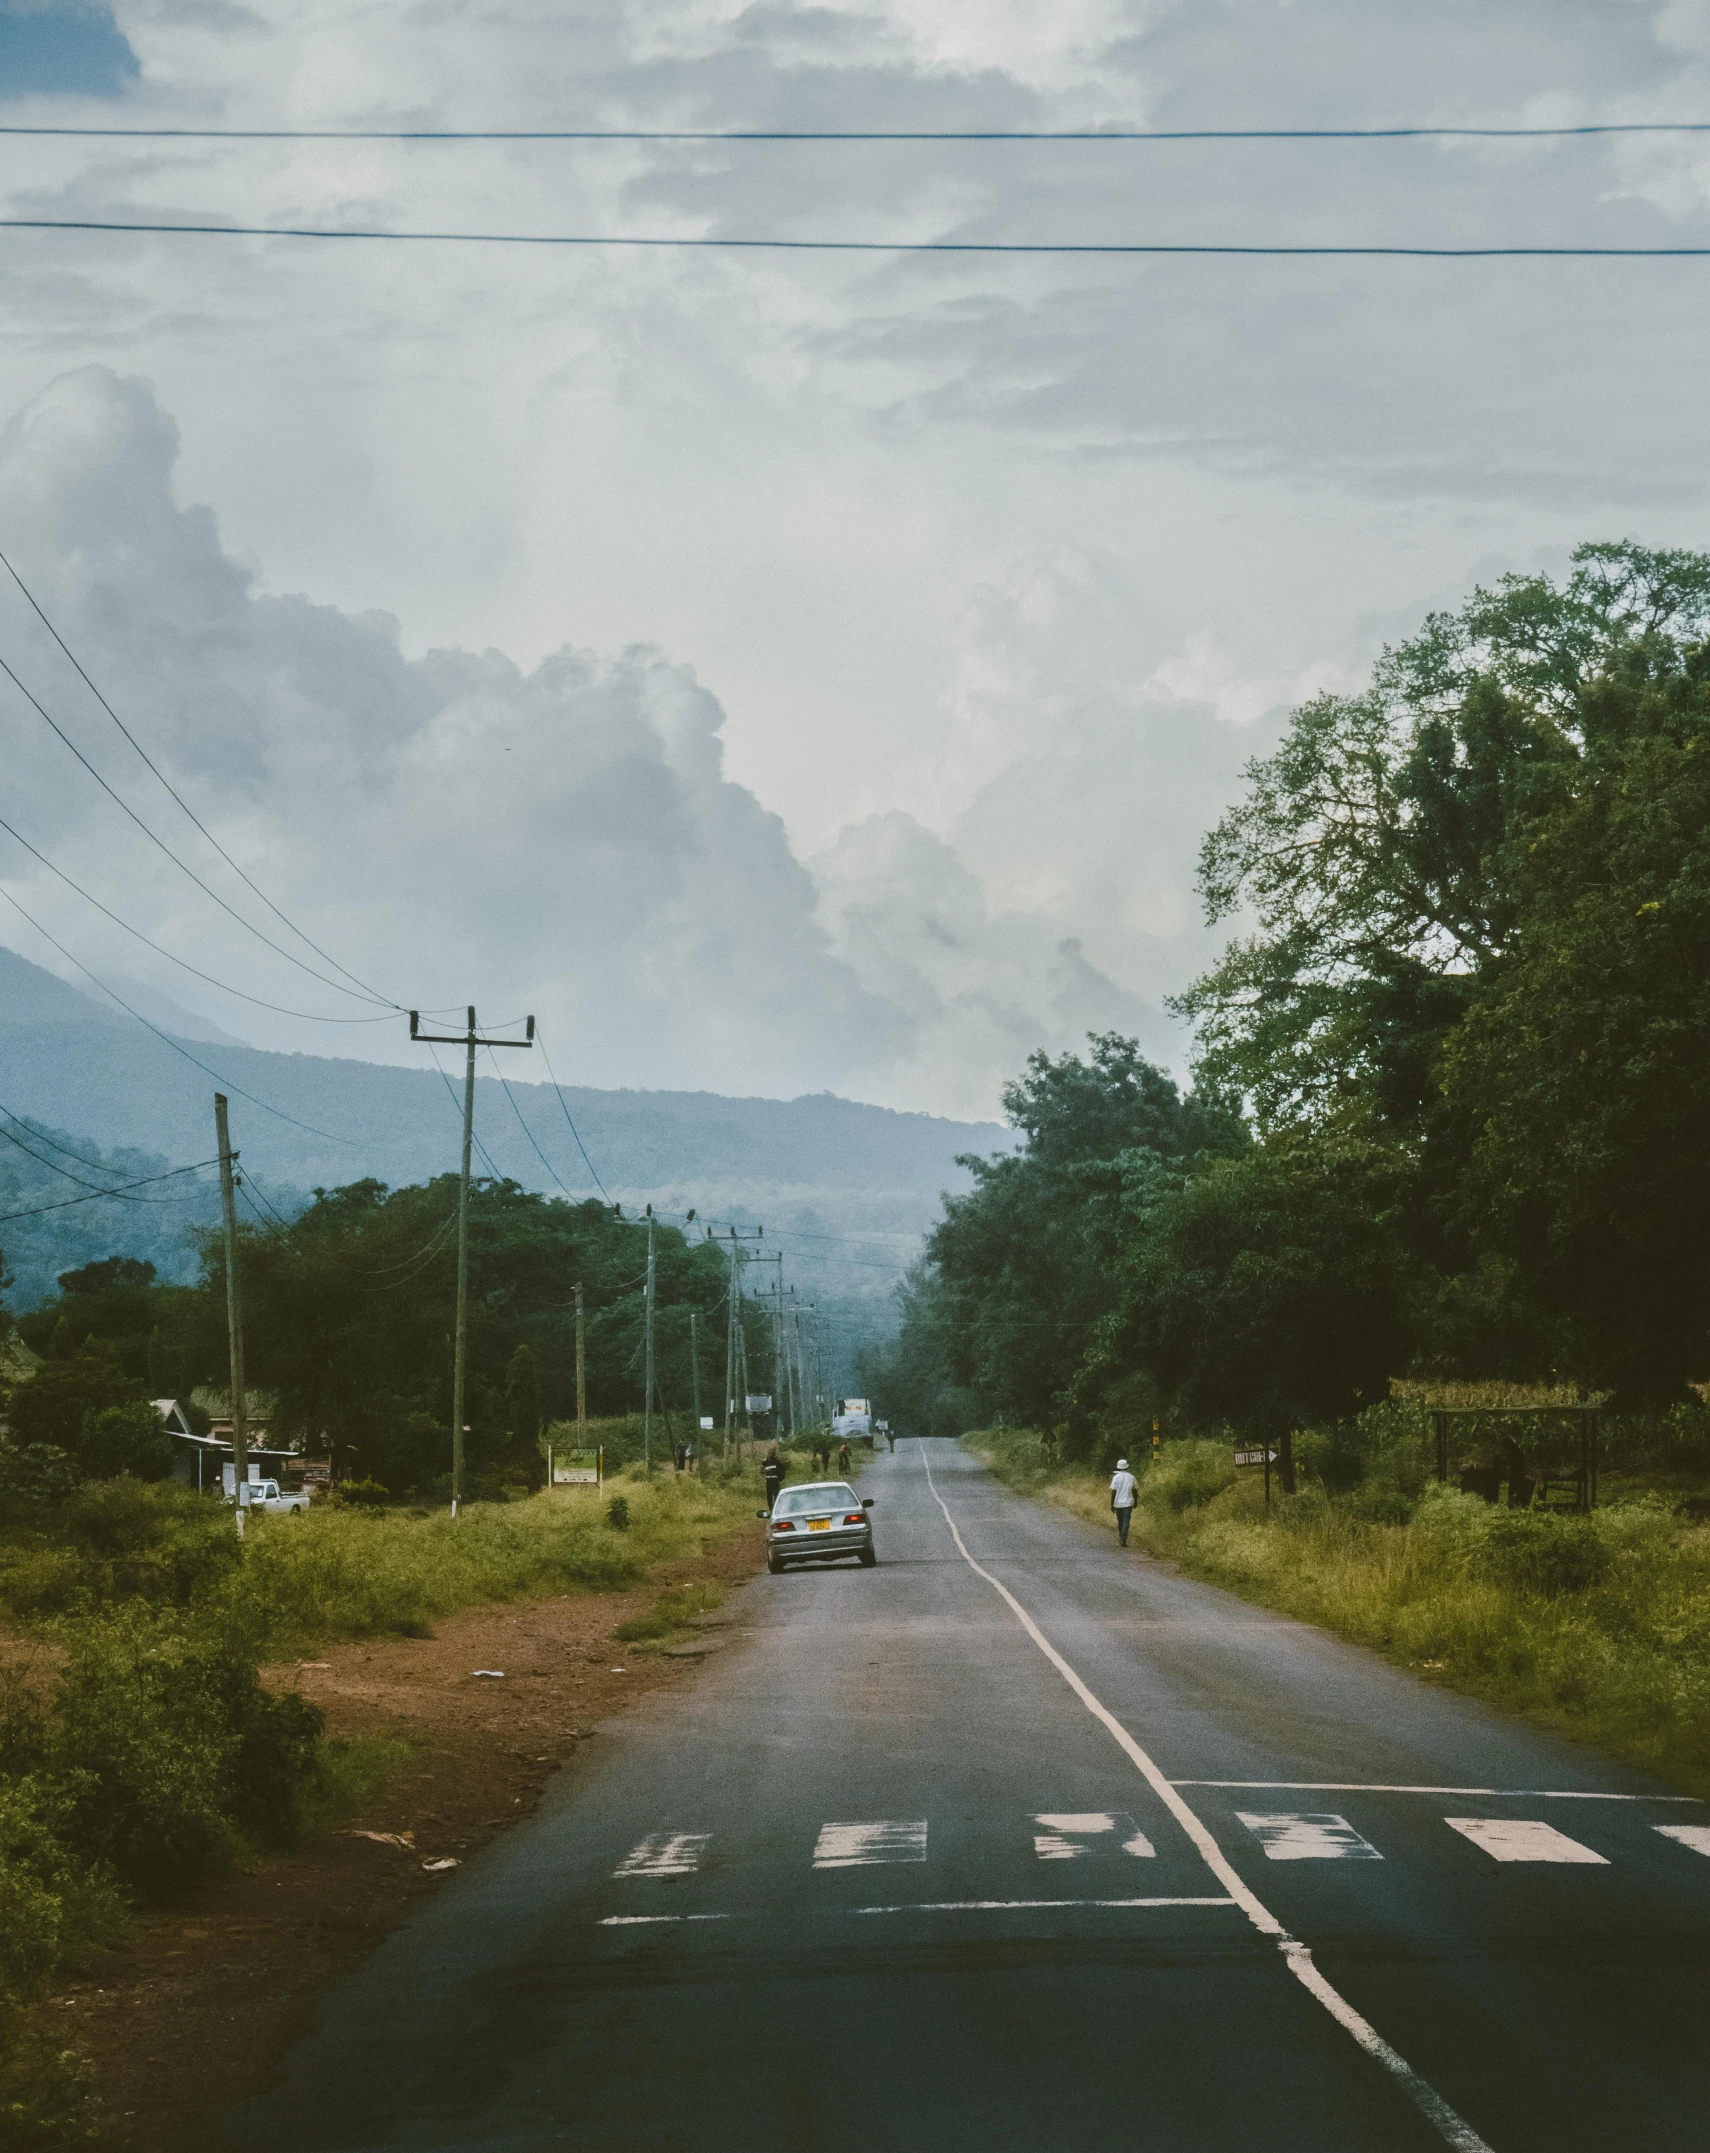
[65, 1171]
[41, 1137]
[66, 1204]
[540, 1041]
[861, 134]
[451, 1091]
[277, 1112]
[148, 760]
[526, 1130]
[728, 244]
[182, 865]
[160, 950]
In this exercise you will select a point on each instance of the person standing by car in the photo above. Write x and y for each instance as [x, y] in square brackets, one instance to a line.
[773, 1473]
[843, 1457]
[1124, 1488]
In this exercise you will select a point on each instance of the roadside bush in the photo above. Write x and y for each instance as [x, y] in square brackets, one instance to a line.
[617, 1513]
[125, 1439]
[1187, 1475]
[33, 1476]
[170, 1746]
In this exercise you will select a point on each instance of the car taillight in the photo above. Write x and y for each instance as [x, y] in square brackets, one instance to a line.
[856, 1517]
[782, 1525]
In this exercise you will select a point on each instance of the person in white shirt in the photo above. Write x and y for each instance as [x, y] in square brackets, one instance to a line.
[1124, 1488]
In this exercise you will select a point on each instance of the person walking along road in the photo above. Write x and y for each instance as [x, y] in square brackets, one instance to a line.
[773, 1473]
[1123, 1490]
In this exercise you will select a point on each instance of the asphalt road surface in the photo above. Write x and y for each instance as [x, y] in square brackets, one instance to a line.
[1018, 1841]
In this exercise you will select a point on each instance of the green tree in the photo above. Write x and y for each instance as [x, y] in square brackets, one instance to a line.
[52, 1404]
[1479, 896]
[1025, 1263]
[1268, 1291]
[125, 1439]
[522, 1405]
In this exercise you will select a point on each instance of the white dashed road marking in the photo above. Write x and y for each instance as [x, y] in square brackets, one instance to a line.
[1695, 1836]
[1500, 1794]
[1296, 1956]
[648, 1921]
[1304, 1836]
[1007, 1906]
[664, 1854]
[1522, 1839]
[1061, 1836]
[859, 1846]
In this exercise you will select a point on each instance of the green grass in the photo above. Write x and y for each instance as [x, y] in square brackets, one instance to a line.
[674, 1610]
[1598, 1627]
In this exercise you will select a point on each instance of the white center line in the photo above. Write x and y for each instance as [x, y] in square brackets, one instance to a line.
[1695, 1836]
[860, 1846]
[1296, 1955]
[1522, 1839]
[1005, 1906]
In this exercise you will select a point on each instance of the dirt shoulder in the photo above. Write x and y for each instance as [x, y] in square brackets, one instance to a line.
[173, 2016]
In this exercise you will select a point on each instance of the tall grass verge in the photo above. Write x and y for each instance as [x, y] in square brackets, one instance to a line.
[1597, 1626]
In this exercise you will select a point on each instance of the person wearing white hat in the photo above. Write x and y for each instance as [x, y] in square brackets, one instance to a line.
[1124, 1489]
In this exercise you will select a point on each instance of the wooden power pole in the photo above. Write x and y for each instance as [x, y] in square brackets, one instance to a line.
[469, 1040]
[234, 1316]
[647, 1404]
[581, 1376]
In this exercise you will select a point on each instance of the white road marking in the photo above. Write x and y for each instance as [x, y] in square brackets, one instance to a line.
[1695, 1836]
[664, 1854]
[1006, 1906]
[1303, 1836]
[1064, 1835]
[860, 1846]
[1501, 1794]
[1522, 1839]
[1296, 1956]
[647, 1921]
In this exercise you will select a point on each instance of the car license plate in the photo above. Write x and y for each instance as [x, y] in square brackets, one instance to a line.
[819, 1525]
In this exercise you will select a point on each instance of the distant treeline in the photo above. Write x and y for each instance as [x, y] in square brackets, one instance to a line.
[348, 1322]
[1451, 1105]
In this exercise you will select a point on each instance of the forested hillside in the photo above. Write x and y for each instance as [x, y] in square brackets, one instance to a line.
[1451, 1104]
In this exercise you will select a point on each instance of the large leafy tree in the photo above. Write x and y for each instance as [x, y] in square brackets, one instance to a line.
[1267, 1291]
[1478, 938]
[1025, 1261]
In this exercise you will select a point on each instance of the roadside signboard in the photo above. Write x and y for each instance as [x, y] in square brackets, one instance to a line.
[759, 1401]
[1255, 1457]
[578, 1468]
[706, 1423]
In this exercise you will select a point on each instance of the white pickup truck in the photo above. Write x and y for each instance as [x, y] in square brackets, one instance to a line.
[266, 1495]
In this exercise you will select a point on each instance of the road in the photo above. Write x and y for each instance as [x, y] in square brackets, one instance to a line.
[1019, 1841]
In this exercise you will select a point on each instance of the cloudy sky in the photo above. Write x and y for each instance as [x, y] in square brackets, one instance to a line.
[781, 671]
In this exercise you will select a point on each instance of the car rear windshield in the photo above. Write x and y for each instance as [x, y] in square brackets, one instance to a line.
[794, 1501]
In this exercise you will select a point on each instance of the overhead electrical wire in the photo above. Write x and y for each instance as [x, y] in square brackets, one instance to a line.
[861, 134]
[96, 1187]
[149, 762]
[160, 950]
[24, 1122]
[540, 1041]
[746, 244]
[160, 842]
[277, 1112]
[526, 1130]
[147, 1182]
[474, 1133]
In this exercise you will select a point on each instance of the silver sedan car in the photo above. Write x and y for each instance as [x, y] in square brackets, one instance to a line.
[817, 1523]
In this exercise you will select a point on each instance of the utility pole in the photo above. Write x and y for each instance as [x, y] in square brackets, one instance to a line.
[468, 1040]
[735, 1340]
[647, 1408]
[234, 1317]
[581, 1375]
[695, 1372]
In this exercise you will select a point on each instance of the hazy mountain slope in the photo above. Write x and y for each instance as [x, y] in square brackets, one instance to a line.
[819, 1165]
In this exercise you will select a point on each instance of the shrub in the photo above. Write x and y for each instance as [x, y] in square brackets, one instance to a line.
[1187, 1475]
[33, 1476]
[617, 1513]
[125, 1439]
